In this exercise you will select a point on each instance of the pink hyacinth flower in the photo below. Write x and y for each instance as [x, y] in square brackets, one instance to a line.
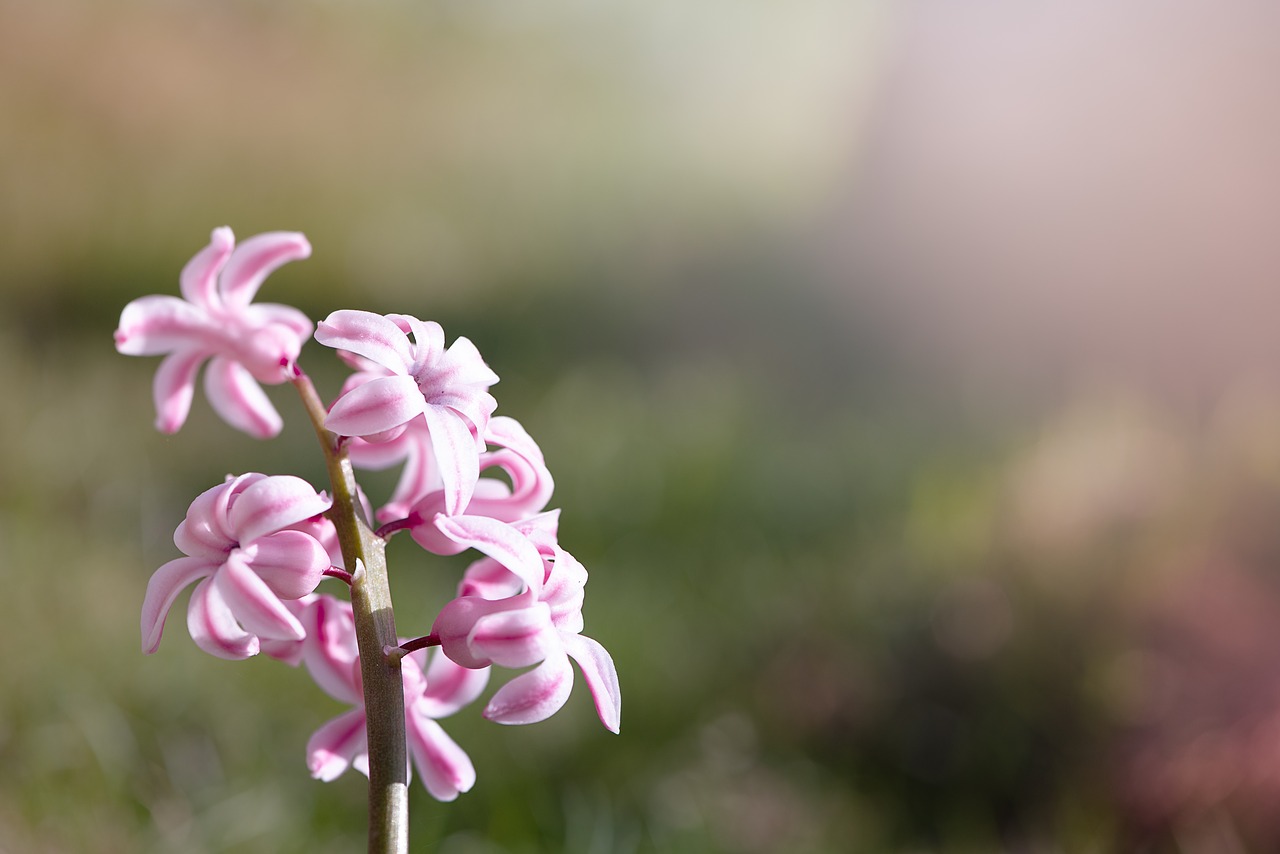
[449, 388]
[238, 545]
[331, 656]
[216, 320]
[539, 623]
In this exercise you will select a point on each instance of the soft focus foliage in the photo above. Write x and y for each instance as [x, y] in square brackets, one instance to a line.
[940, 519]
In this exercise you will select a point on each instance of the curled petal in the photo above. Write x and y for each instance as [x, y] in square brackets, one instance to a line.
[163, 588]
[498, 540]
[173, 387]
[338, 745]
[428, 339]
[255, 259]
[364, 333]
[237, 397]
[533, 696]
[214, 628]
[450, 686]
[601, 675]
[288, 318]
[515, 638]
[272, 504]
[291, 563]
[256, 608]
[445, 768]
[375, 407]
[456, 620]
[466, 366]
[158, 324]
[455, 451]
[199, 279]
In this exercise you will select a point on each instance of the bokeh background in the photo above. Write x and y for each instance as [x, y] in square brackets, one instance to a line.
[910, 374]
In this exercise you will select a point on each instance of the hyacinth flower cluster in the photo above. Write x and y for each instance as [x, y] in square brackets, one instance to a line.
[257, 547]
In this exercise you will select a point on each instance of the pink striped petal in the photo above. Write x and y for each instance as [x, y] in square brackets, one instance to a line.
[291, 563]
[428, 339]
[450, 686]
[498, 540]
[236, 396]
[466, 366]
[601, 675]
[330, 651]
[456, 620]
[297, 324]
[272, 504]
[214, 628]
[456, 454]
[256, 608]
[515, 638]
[255, 259]
[152, 325]
[444, 767]
[533, 696]
[370, 335]
[162, 590]
[199, 278]
[375, 407]
[339, 744]
[174, 386]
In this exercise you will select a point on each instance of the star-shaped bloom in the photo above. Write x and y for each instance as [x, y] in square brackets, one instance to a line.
[506, 615]
[238, 545]
[449, 388]
[436, 691]
[216, 320]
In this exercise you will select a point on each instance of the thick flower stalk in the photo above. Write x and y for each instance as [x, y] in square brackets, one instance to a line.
[217, 321]
[238, 546]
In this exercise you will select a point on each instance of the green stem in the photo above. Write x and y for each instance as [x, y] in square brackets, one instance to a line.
[363, 552]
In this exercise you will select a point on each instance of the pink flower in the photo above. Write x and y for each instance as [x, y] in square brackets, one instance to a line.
[449, 388]
[245, 343]
[236, 538]
[331, 656]
[537, 621]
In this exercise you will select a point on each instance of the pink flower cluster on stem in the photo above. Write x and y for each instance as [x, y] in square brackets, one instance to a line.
[257, 546]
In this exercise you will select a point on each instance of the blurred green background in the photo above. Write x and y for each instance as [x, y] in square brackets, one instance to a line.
[908, 373]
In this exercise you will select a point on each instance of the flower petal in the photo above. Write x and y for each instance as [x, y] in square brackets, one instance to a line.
[163, 588]
[515, 638]
[291, 563]
[330, 650]
[158, 324]
[601, 675]
[456, 620]
[456, 453]
[237, 397]
[255, 259]
[256, 608]
[445, 768]
[364, 333]
[450, 686]
[199, 278]
[498, 540]
[214, 628]
[272, 504]
[337, 745]
[533, 696]
[375, 407]
[174, 386]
